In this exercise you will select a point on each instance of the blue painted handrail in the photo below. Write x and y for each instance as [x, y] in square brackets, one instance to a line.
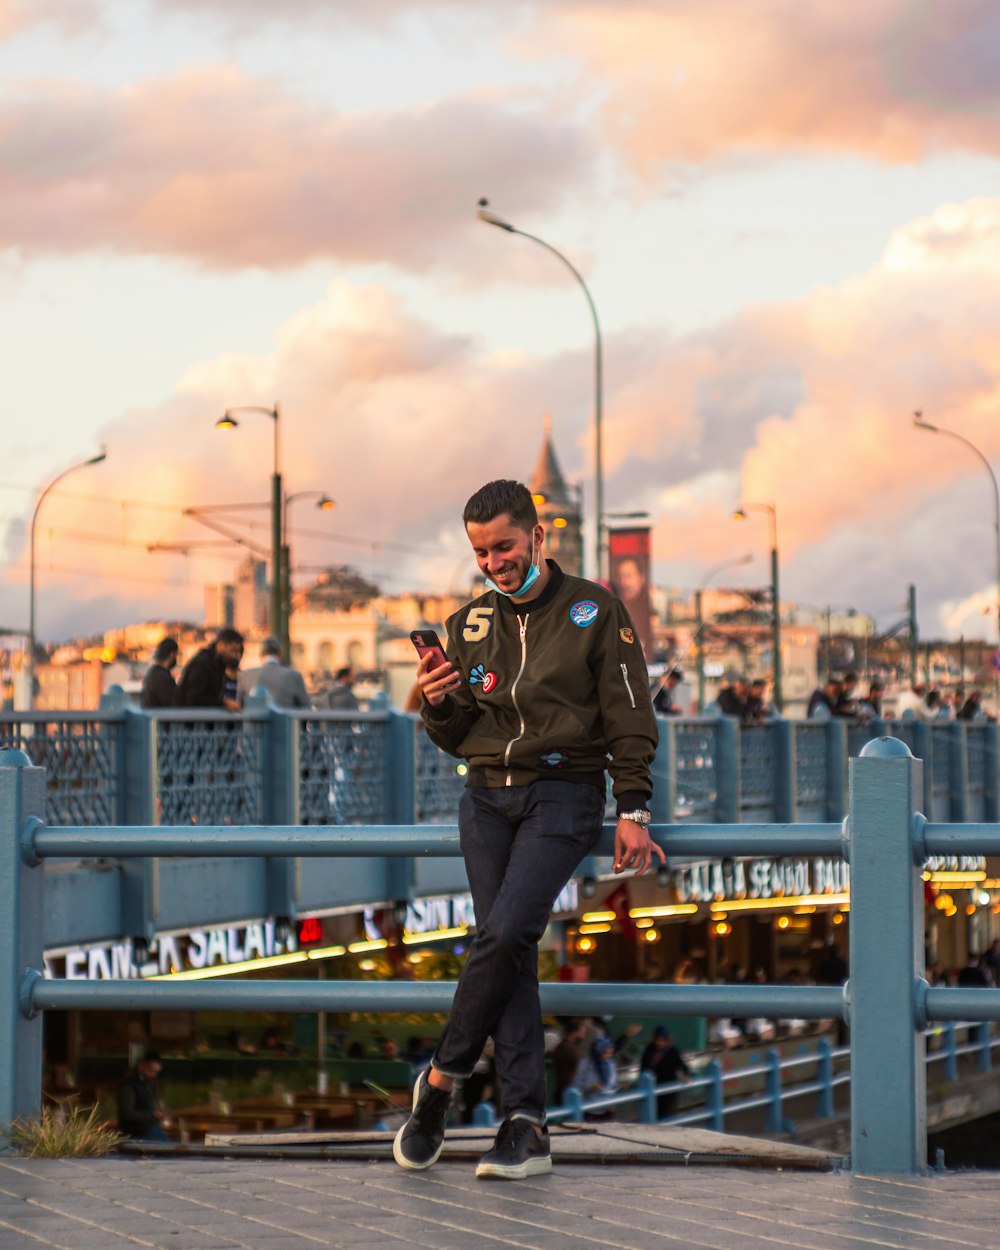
[887, 1003]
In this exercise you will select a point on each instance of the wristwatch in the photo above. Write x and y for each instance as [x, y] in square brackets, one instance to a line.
[640, 816]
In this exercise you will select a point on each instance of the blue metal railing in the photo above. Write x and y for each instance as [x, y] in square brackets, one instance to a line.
[122, 765]
[886, 1002]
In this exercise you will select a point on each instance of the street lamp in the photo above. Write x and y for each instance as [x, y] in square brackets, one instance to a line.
[741, 515]
[325, 504]
[493, 220]
[82, 464]
[921, 424]
[699, 623]
[279, 617]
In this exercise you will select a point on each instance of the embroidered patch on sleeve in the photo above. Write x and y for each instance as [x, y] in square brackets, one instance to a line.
[626, 635]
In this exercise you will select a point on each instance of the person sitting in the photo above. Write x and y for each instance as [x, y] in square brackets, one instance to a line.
[663, 699]
[665, 1061]
[597, 1075]
[756, 710]
[140, 1114]
[972, 707]
[732, 698]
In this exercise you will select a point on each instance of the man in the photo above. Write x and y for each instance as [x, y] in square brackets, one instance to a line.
[158, 686]
[870, 708]
[823, 701]
[545, 680]
[566, 1058]
[203, 681]
[139, 1112]
[665, 1061]
[663, 700]
[339, 697]
[732, 698]
[756, 710]
[284, 684]
[847, 703]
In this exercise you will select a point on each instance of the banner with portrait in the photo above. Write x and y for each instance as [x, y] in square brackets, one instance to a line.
[629, 556]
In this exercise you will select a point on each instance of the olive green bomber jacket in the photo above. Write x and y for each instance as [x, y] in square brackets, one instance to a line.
[551, 688]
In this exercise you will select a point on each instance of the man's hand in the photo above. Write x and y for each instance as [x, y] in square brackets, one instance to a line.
[634, 848]
[436, 683]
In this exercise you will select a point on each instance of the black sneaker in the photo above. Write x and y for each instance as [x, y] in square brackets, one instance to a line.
[418, 1143]
[518, 1151]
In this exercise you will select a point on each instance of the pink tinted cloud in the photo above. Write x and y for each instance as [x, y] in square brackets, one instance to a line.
[231, 172]
[695, 80]
[806, 404]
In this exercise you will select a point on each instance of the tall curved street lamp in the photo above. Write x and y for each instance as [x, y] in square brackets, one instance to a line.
[325, 504]
[699, 621]
[740, 514]
[81, 464]
[921, 424]
[279, 617]
[493, 220]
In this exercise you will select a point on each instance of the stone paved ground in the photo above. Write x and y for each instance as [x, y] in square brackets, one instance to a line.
[224, 1204]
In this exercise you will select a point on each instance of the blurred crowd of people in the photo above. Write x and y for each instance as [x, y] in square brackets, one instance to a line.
[213, 678]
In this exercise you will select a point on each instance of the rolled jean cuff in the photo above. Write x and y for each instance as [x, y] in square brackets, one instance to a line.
[450, 1073]
[538, 1120]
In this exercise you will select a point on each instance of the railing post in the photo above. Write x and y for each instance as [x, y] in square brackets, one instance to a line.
[664, 801]
[984, 1056]
[836, 768]
[785, 771]
[572, 1099]
[991, 772]
[401, 797]
[22, 803]
[646, 1085]
[950, 1053]
[824, 1078]
[958, 772]
[728, 784]
[888, 1050]
[923, 749]
[281, 800]
[773, 1086]
[714, 1098]
[484, 1115]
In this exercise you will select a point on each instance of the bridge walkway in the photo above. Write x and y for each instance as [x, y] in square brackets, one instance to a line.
[121, 1203]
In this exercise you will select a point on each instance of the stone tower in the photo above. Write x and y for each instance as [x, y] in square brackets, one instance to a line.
[559, 508]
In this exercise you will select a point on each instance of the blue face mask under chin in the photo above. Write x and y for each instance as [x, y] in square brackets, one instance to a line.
[526, 585]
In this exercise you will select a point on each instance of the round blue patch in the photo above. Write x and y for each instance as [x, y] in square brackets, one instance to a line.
[583, 613]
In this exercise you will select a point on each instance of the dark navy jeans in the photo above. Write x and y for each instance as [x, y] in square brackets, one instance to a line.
[521, 845]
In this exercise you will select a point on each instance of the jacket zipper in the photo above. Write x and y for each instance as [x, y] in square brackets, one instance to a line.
[522, 629]
[627, 686]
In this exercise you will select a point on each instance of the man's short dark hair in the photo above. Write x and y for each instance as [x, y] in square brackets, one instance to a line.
[270, 646]
[342, 673]
[496, 498]
[166, 649]
[229, 635]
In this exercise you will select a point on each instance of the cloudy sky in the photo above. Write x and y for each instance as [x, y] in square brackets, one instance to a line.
[788, 215]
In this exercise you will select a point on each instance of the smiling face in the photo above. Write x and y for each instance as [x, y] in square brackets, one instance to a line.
[504, 552]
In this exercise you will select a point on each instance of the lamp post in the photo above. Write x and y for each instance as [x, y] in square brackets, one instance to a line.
[279, 617]
[699, 623]
[493, 220]
[921, 424]
[82, 464]
[741, 515]
[325, 504]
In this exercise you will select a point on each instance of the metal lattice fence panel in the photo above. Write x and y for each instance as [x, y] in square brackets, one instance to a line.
[695, 762]
[757, 772]
[811, 770]
[439, 783]
[210, 772]
[342, 777]
[975, 748]
[80, 756]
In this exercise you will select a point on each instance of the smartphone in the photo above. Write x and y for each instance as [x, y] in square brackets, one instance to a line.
[427, 642]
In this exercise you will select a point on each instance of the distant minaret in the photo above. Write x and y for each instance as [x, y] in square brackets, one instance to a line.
[559, 508]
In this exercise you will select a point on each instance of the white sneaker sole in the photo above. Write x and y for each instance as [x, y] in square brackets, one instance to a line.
[530, 1167]
[397, 1145]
